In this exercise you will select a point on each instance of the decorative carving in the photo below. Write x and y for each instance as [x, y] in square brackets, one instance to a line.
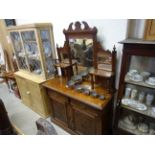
[78, 28]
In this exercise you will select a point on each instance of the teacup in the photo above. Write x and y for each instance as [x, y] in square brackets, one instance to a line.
[151, 80]
[145, 75]
[141, 97]
[132, 72]
[127, 92]
[136, 77]
[134, 94]
[149, 99]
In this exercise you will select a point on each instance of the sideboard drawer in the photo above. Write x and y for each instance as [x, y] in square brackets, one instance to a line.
[57, 97]
[84, 107]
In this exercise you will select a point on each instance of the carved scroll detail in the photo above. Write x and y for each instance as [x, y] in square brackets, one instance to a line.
[78, 27]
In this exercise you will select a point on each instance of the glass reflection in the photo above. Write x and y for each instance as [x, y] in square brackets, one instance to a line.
[82, 51]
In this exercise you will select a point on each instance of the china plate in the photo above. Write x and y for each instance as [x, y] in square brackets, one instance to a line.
[147, 82]
[134, 104]
[138, 80]
[130, 127]
[126, 101]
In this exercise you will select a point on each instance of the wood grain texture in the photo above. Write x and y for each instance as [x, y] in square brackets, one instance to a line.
[78, 113]
[149, 33]
[58, 85]
[33, 94]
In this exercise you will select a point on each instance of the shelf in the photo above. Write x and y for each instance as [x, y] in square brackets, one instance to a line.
[144, 113]
[45, 40]
[30, 41]
[37, 59]
[133, 132]
[143, 84]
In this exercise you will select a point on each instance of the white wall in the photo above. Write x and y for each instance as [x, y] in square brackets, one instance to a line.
[136, 28]
[110, 32]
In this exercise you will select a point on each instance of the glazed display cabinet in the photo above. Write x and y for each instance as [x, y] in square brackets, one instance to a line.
[135, 111]
[34, 48]
[35, 54]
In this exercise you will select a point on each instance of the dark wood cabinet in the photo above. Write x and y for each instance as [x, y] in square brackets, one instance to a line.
[59, 107]
[85, 121]
[137, 56]
[78, 113]
[59, 112]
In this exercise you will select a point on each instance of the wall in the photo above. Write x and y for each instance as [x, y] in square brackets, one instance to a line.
[136, 28]
[110, 32]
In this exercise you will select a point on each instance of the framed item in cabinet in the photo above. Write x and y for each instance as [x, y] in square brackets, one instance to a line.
[135, 111]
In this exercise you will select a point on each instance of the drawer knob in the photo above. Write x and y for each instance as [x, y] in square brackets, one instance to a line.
[28, 93]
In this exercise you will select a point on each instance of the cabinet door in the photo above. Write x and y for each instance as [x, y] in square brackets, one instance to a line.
[24, 90]
[59, 105]
[60, 114]
[19, 51]
[85, 121]
[48, 51]
[32, 51]
[36, 97]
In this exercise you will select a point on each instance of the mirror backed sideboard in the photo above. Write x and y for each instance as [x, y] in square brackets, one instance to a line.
[82, 98]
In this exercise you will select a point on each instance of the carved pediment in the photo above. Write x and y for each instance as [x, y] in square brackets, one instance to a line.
[82, 27]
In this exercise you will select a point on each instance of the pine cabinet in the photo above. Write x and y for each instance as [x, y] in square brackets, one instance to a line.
[33, 94]
[35, 54]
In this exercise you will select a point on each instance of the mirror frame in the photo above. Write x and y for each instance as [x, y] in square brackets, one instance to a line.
[75, 31]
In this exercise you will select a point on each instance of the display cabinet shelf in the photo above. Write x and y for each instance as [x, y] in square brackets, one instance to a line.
[142, 83]
[146, 113]
[124, 131]
[129, 131]
[30, 41]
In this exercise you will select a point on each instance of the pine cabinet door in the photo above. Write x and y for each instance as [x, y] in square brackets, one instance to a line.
[24, 90]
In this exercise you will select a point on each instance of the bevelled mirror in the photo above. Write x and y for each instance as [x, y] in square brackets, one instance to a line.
[81, 41]
[82, 51]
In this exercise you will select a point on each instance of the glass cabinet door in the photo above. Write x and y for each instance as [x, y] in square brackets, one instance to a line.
[139, 95]
[48, 52]
[140, 82]
[19, 51]
[32, 51]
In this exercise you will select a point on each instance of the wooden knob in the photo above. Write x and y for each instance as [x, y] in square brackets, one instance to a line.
[28, 93]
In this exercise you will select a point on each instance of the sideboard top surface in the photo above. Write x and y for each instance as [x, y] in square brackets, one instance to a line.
[58, 85]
